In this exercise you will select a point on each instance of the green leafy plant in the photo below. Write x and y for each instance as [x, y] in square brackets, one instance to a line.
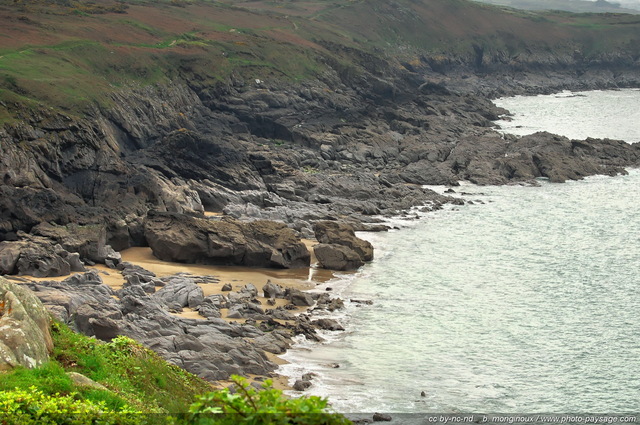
[250, 406]
[32, 406]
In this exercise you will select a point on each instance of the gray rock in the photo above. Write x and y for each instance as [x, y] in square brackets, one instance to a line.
[328, 324]
[332, 232]
[102, 320]
[180, 291]
[25, 339]
[299, 298]
[272, 290]
[301, 385]
[82, 381]
[337, 257]
[182, 238]
[381, 417]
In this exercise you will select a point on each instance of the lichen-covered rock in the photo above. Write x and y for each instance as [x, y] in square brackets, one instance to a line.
[25, 339]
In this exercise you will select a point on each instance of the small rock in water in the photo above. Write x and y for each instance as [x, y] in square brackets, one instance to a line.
[301, 385]
[381, 417]
[423, 394]
[227, 287]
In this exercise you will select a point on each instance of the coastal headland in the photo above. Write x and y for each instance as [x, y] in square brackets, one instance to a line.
[225, 133]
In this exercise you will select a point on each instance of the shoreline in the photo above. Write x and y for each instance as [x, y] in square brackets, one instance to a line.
[301, 279]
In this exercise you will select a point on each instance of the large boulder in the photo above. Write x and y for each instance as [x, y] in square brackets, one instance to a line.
[180, 292]
[337, 257]
[336, 233]
[187, 239]
[87, 240]
[38, 257]
[25, 339]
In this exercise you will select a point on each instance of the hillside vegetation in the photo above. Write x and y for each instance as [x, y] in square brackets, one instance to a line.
[72, 54]
[133, 385]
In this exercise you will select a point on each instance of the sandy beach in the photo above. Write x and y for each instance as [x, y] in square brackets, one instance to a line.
[238, 277]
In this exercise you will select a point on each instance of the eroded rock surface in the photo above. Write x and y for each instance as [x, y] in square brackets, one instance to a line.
[25, 338]
[182, 238]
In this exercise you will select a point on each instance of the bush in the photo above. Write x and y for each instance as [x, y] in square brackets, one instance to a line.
[32, 406]
[249, 406]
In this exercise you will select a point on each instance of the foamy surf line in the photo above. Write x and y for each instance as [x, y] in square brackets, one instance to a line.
[322, 358]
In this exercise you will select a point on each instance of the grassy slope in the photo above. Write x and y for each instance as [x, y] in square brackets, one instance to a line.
[54, 52]
[133, 375]
[138, 387]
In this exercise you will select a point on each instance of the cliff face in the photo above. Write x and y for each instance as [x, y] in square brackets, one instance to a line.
[357, 139]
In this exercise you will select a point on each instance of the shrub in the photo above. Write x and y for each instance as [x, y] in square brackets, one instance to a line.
[250, 406]
[32, 406]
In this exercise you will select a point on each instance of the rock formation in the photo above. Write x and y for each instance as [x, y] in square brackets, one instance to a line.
[25, 338]
[182, 238]
[340, 248]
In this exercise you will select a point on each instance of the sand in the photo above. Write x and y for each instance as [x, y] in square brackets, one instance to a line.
[303, 279]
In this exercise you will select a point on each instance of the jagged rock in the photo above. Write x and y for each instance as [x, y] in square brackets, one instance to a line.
[37, 256]
[180, 291]
[208, 309]
[280, 313]
[272, 290]
[301, 385]
[299, 298]
[325, 302]
[104, 321]
[328, 324]
[181, 238]
[276, 342]
[226, 287]
[250, 289]
[25, 339]
[89, 241]
[332, 232]
[337, 257]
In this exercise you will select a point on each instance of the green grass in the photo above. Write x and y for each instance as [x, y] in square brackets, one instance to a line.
[205, 42]
[140, 388]
[134, 376]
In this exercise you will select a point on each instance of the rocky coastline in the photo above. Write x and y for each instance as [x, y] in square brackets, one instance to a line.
[279, 162]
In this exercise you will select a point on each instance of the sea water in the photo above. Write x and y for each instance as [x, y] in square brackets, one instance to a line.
[613, 114]
[526, 300]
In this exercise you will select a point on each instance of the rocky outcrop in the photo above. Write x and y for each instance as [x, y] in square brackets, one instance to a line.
[337, 257]
[340, 248]
[213, 349]
[25, 338]
[332, 232]
[38, 257]
[182, 238]
[89, 241]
